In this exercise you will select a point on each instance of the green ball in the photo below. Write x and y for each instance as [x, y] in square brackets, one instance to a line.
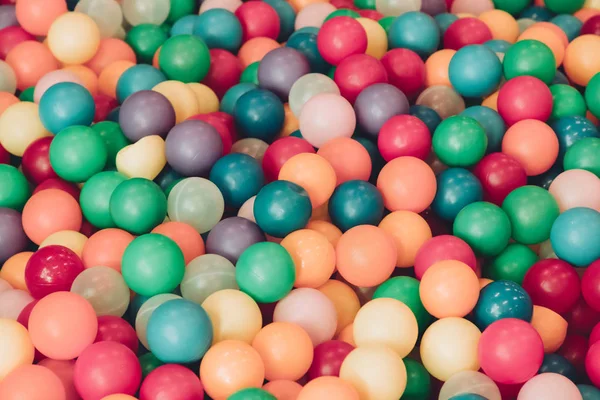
[14, 188]
[564, 6]
[181, 8]
[343, 12]
[77, 153]
[252, 394]
[265, 271]
[114, 139]
[513, 7]
[459, 141]
[484, 226]
[95, 198]
[584, 154]
[532, 58]
[531, 211]
[566, 102]
[138, 205]
[27, 94]
[184, 58]
[418, 381]
[592, 95]
[250, 74]
[406, 290]
[386, 23]
[512, 264]
[152, 264]
[149, 363]
[145, 40]
[365, 4]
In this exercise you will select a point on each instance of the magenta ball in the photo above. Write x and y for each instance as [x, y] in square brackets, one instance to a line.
[590, 285]
[440, 248]
[404, 135]
[51, 269]
[328, 358]
[172, 382]
[115, 329]
[592, 364]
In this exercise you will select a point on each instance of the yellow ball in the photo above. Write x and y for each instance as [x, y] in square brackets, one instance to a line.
[376, 372]
[182, 98]
[449, 346]
[72, 240]
[20, 125]
[74, 38]
[15, 346]
[470, 382]
[234, 316]
[592, 4]
[377, 43]
[386, 322]
[142, 159]
[207, 99]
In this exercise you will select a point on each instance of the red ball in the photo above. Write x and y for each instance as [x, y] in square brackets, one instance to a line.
[595, 334]
[23, 319]
[371, 14]
[220, 126]
[590, 285]
[346, 4]
[115, 329]
[553, 284]
[107, 368]
[440, 248]
[509, 391]
[358, 72]
[172, 382]
[510, 351]
[104, 105]
[591, 26]
[280, 151]
[404, 135]
[51, 269]
[258, 19]
[405, 70]
[499, 175]
[466, 31]
[225, 71]
[574, 349]
[524, 97]
[36, 161]
[328, 358]
[57, 183]
[592, 364]
[4, 156]
[582, 318]
[10, 37]
[341, 37]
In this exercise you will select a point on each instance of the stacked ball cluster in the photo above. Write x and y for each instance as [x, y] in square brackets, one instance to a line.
[299, 199]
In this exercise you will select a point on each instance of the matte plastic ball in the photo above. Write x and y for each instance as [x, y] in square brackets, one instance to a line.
[460, 141]
[36, 161]
[341, 37]
[106, 248]
[553, 284]
[279, 152]
[258, 20]
[418, 383]
[401, 33]
[492, 123]
[104, 288]
[51, 269]
[306, 43]
[376, 104]
[144, 312]
[569, 130]
[444, 247]
[187, 238]
[475, 71]
[328, 358]
[581, 61]
[313, 173]
[394, 8]
[184, 58]
[259, 114]
[567, 102]
[405, 70]
[238, 177]
[557, 364]
[95, 198]
[28, 382]
[173, 381]
[404, 135]
[326, 116]
[484, 226]
[469, 383]
[197, 202]
[551, 386]
[220, 29]
[136, 78]
[355, 203]
[355, 73]
[116, 329]
[12, 236]
[512, 264]
[230, 237]
[499, 300]
[534, 144]
[592, 98]
[15, 189]
[580, 249]
[206, 275]
[66, 104]
[138, 205]
[280, 69]
[529, 58]
[466, 31]
[584, 154]
[456, 188]
[313, 255]
[589, 285]
[73, 38]
[146, 113]
[153, 264]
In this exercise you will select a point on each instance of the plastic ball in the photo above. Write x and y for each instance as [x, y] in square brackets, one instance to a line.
[115, 329]
[16, 189]
[197, 202]
[402, 190]
[328, 358]
[409, 232]
[259, 114]
[352, 78]
[95, 198]
[400, 33]
[51, 269]
[467, 383]
[562, 188]
[280, 69]
[138, 12]
[146, 113]
[230, 237]
[569, 130]
[355, 203]
[437, 68]
[174, 381]
[457, 188]
[466, 31]
[484, 226]
[533, 143]
[514, 100]
[450, 144]
[341, 37]
[549, 385]
[53, 78]
[206, 275]
[29, 382]
[492, 123]
[502, 25]
[499, 300]
[529, 58]
[238, 177]
[105, 248]
[345, 301]
[134, 79]
[439, 248]
[14, 301]
[581, 249]
[405, 70]
[23, 121]
[348, 157]
[104, 288]
[255, 49]
[73, 38]
[551, 327]
[582, 155]
[326, 116]
[21, 350]
[30, 61]
[475, 71]
[580, 63]
[219, 28]
[553, 284]
[588, 285]
[225, 71]
[193, 147]
[313, 173]
[512, 264]
[443, 100]
[138, 205]
[328, 387]
[144, 312]
[12, 235]
[64, 105]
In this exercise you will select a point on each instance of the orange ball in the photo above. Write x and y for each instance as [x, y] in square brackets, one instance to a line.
[502, 25]
[286, 349]
[483, 282]
[107, 81]
[491, 101]
[409, 230]
[328, 388]
[313, 173]
[32, 382]
[87, 76]
[187, 238]
[230, 366]
[554, 28]
[283, 390]
[300, 4]
[109, 51]
[36, 16]
[313, 255]
[119, 397]
[349, 159]
[344, 300]
[331, 232]
[155, 58]
[366, 255]
[105, 248]
[255, 49]
[50, 211]
[449, 288]
[290, 123]
[7, 100]
[347, 335]
[533, 143]
[15, 346]
[30, 61]
[551, 326]
[586, 13]
[64, 370]
[549, 37]
[407, 183]
[436, 68]
[582, 59]
[74, 38]
[13, 270]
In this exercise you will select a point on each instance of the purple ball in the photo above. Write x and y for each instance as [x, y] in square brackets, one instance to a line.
[12, 236]
[433, 7]
[193, 147]
[146, 113]
[230, 237]
[280, 68]
[8, 16]
[378, 103]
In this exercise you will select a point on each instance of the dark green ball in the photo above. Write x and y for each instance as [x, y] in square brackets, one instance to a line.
[355, 203]
[282, 207]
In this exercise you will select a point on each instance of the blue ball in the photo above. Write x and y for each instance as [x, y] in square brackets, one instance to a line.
[184, 25]
[537, 13]
[306, 29]
[560, 79]
[355, 203]
[492, 123]
[497, 45]
[557, 364]
[575, 236]
[545, 180]
[456, 189]
[66, 104]
[467, 396]
[306, 43]
[139, 77]
[415, 31]
[428, 115]
[113, 115]
[444, 20]
[499, 300]
[259, 114]
[570, 25]
[589, 392]
[287, 18]
[233, 94]
[220, 29]
[475, 71]
[377, 161]
[239, 177]
[571, 129]
[179, 331]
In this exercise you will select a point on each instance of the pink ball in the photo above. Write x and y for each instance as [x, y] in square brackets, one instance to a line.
[107, 368]
[404, 135]
[51, 79]
[549, 386]
[595, 335]
[64, 370]
[326, 116]
[310, 309]
[590, 285]
[440, 248]
[313, 15]
[356, 73]
[524, 97]
[12, 302]
[4, 286]
[115, 329]
[576, 188]
[474, 7]
[592, 364]
[172, 382]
